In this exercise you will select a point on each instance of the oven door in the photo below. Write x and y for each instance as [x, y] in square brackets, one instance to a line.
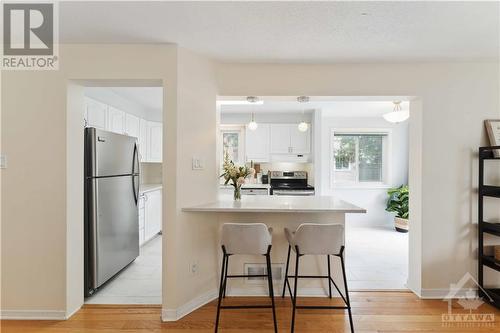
[293, 192]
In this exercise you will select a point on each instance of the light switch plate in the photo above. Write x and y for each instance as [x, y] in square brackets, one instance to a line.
[3, 161]
[198, 163]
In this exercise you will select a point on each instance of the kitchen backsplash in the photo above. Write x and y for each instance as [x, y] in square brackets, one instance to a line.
[151, 173]
[308, 167]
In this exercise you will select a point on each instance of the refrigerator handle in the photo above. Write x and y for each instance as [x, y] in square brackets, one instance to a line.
[134, 160]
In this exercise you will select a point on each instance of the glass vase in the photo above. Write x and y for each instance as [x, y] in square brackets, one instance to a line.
[237, 193]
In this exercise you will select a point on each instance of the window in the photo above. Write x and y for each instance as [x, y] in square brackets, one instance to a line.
[359, 158]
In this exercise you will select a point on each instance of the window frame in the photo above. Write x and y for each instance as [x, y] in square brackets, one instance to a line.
[240, 131]
[386, 158]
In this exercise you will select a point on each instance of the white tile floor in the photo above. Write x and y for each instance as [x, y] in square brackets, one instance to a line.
[139, 283]
[376, 258]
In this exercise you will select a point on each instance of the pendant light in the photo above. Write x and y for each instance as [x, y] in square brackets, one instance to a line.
[398, 115]
[303, 126]
[252, 125]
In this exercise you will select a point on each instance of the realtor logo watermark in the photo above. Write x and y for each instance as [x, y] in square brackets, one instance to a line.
[469, 300]
[30, 36]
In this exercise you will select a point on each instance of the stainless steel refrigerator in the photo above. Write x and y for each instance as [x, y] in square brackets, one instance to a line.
[111, 211]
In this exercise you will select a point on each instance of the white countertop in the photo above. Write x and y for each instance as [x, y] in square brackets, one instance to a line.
[278, 204]
[250, 185]
[143, 188]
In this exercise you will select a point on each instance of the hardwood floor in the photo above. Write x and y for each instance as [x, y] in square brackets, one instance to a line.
[372, 312]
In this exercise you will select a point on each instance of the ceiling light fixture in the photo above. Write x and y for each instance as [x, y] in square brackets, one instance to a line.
[398, 115]
[250, 100]
[252, 125]
[303, 126]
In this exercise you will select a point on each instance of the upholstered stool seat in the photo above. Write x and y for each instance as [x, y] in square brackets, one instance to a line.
[316, 239]
[245, 239]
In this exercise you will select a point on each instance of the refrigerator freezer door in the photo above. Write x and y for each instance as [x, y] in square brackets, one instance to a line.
[117, 226]
[110, 154]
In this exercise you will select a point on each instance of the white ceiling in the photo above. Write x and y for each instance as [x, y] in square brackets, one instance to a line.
[331, 108]
[295, 31]
[149, 98]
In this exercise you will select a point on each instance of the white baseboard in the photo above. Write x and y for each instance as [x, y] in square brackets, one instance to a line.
[33, 315]
[183, 310]
[442, 293]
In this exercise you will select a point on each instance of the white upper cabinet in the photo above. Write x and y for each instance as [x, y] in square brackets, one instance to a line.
[132, 125]
[155, 144]
[280, 138]
[300, 141]
[116, 120]
[257, 144]
[287, 139]
[143, 140]
[95, 113]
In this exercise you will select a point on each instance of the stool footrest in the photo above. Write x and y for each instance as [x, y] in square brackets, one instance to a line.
[245, 276]
[246, 306]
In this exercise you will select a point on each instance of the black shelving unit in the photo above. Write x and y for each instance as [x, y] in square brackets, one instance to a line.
[493, 297]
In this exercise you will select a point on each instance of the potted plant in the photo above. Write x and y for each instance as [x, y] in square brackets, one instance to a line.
[398, 203]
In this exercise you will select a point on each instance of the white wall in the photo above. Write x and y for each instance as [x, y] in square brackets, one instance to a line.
[42, 224]
[267, 117]
[373, 199]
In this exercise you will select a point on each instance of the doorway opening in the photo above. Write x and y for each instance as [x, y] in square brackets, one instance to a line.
[346, 149]
[122, 132]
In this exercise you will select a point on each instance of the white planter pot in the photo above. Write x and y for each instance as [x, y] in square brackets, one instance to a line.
[401, 224]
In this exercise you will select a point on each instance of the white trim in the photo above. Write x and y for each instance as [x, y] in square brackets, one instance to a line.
[33, 315]
[443, 293]
[187, 308]
[69, 314]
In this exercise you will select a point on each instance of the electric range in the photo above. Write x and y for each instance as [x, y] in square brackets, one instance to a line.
[290, 183]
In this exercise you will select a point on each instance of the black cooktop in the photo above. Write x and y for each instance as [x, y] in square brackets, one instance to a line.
[292, 186]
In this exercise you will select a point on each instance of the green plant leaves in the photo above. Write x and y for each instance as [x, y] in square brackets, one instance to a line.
[398, 201]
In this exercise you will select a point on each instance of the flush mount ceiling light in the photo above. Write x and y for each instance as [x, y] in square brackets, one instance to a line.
[250, 100]
[303, 126]
[398, 115]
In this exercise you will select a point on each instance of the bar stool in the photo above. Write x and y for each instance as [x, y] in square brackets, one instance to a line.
[316, 239]
[248, 239]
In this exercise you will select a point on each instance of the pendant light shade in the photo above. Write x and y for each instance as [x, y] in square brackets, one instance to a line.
[303, 126]
[398, 115]
[252, 125]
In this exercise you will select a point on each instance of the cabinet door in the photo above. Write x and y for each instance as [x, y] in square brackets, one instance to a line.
[95, 113]
[155, 144]
[132, 125]
[142, 219]
[280, 139]
[116, 120]
[153, 213]
[257, 144]
[143, 140]
[300, 141]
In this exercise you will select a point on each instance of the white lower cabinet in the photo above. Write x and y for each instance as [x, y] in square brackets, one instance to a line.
[151, 218]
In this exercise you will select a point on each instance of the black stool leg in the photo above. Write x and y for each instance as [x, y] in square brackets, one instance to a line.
[271, 290]
[225, 278]
[286, 271]
[346, 291]
[294, 300]
[329, 276]
[220, 289]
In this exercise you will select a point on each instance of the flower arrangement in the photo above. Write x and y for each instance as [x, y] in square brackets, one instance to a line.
[236, 175]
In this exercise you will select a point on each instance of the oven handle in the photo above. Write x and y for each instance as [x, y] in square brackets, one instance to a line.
[284, 192]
